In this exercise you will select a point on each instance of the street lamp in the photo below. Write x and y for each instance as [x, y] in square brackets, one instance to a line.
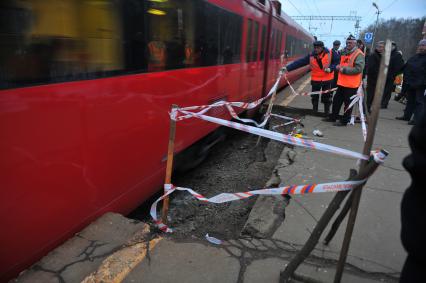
[377, 22]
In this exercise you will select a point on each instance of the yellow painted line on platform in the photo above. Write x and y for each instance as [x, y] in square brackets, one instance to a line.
[289, 99]
[116, 267]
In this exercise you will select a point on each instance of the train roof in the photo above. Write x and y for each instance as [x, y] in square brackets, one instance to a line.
[294, 24]
[288, 20]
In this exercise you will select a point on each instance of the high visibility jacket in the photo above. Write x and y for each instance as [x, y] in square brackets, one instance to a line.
[350, 81]
[318, 73]
[189, 55]
[157, 53]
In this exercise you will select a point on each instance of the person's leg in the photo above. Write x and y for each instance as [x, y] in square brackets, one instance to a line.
[316, 86]
[420, 104]
[386, 95]
[348, 92]
[337, 104]
[370, 95]
[326, 97]
[410, 94]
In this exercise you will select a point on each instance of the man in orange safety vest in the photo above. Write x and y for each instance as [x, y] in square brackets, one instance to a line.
[350, 69]
[321, 73]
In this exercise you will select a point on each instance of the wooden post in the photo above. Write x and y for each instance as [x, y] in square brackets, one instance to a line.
[338, 220]
[384, 64]
[269, 110]
[169, 168]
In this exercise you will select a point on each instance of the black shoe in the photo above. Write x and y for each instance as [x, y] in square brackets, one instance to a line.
[402, 118]
[328, 119]
[340, 124]
[411, 122]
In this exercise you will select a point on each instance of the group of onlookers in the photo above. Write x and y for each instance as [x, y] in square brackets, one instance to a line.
[346, 68]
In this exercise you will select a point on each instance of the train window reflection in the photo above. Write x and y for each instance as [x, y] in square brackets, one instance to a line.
[47, 41]
[295, 47]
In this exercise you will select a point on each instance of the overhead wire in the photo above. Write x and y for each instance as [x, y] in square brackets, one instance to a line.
[390, 5]
[291, 3]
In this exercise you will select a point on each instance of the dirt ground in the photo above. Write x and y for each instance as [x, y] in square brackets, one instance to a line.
[235, 165]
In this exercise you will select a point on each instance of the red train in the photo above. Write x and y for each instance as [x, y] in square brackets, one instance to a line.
[85, 90]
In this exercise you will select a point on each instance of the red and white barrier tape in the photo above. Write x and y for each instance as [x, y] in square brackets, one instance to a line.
[306, 143]
[359, 98]
[307, 93]
[378, 156]
[229, 106]
[227, 197]
[291, 121]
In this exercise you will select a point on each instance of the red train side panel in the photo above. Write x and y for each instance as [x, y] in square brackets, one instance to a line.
[73, 150]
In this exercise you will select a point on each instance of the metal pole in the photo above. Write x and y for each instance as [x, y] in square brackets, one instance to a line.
[375, 27]
[169, 168]
[384, 64]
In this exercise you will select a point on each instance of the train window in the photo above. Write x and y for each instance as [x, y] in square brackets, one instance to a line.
[230, 37]
[263, 43]
[288, 50]
[272, 45]
[52, 41]
[249, 42]
[255, 41]
[278, 45]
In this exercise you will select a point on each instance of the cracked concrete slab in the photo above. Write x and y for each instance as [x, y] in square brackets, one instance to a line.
[82, 254]
[268, 211]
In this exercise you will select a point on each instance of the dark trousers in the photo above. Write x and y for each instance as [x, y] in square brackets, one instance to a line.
[334, 81]
[415, 103]
[370, 95]
[387, 94]
[342, 96]
[325, 97]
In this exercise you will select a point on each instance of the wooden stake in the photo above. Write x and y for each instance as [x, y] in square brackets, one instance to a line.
[269, 110]
[169, 168]
[338, 220]
[384, 64]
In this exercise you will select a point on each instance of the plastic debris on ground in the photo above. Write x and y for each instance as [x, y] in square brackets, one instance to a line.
[317, 133]
[213, 240]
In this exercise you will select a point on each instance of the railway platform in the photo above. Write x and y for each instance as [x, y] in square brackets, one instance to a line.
[118, 249]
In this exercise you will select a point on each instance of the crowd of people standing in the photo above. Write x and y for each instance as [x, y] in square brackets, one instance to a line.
[345, 69]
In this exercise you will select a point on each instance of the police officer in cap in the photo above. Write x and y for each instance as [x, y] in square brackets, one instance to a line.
[321, 73]
[352, 62]
[335, 54]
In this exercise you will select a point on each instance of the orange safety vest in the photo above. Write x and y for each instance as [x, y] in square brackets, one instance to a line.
[318, 74]
[350, 81]
[157, 52]
[189, 56]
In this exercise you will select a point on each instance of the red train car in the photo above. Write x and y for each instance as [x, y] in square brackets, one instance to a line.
[85, 90]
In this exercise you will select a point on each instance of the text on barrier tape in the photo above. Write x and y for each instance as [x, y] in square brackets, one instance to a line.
[227, 197]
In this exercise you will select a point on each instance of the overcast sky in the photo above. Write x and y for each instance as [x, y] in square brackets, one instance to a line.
[328, 31]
